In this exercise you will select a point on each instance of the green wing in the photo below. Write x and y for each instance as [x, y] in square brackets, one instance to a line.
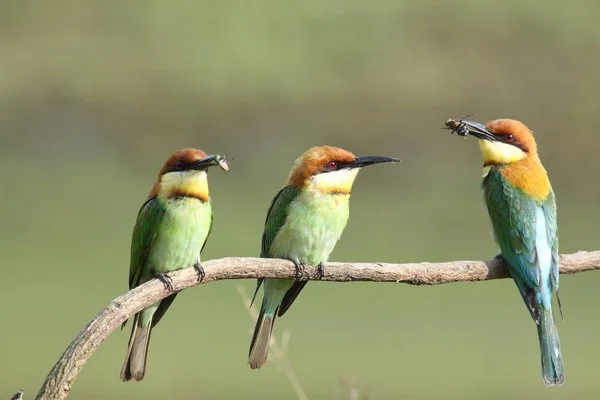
[144, 233]
[276, 216]
[549, 208]
[145, 230]
[513, 217]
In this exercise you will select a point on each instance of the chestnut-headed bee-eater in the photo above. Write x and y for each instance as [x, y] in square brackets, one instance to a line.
[522, 209]
[170, 232]
[304, 222]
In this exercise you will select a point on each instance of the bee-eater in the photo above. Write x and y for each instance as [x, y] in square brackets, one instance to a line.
[170, 232]
[522, 209]
[304, 222]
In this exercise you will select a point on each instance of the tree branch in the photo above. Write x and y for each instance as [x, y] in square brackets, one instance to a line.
[60, 379]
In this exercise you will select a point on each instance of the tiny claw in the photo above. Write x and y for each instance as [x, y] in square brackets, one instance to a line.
[299, 269]
[200, 271]
[321, 270]
[166, 280]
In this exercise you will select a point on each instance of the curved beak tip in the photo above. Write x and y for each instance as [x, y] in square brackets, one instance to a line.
[464, 127]
[212, 160]
[477, 130]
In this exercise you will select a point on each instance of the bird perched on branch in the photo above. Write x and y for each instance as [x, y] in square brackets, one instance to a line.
[304, 222]
[170, 232]
[522, 209]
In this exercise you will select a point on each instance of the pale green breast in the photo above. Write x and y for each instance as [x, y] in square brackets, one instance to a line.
[182, 233]
[313, 226]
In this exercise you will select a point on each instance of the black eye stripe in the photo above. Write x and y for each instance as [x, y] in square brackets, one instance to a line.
[514, 142]
[178, 166]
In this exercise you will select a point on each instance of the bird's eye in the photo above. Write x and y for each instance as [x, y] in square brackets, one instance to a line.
[331, 165]
[509, 137]
[179, 165]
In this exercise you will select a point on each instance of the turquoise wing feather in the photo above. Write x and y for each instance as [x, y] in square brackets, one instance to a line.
[549, 208]
[276, 216]
[513, 217]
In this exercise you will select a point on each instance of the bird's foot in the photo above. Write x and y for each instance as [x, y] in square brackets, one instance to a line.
[321, 270]
[165, 279]
[500, 257]
[199, 270]
[299, 269]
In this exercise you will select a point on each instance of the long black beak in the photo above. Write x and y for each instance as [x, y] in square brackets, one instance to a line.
[478, 130]
[210, 161]
[360, 162]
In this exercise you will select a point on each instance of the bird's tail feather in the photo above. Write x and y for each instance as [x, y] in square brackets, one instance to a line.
[552, 364]
[134, 366]
[259, 347]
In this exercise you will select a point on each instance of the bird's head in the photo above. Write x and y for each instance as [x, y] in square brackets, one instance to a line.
[504, 141]
[184, 174]
[330, 169]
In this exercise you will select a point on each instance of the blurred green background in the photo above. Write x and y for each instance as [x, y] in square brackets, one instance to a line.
[95, 95]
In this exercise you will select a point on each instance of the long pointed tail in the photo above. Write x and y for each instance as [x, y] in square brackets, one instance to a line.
[134, 366]
[552, 364]
[259, 347]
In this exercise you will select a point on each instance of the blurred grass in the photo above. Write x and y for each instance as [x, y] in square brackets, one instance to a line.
[95, 95]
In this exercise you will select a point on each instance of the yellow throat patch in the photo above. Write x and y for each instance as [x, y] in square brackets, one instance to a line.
[339, 182]
[500, 153]
[187, 183]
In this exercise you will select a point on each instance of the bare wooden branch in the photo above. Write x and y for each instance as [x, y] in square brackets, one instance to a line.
[60, 379]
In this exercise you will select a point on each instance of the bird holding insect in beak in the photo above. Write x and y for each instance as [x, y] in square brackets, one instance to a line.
[170, 232]
[304, 222]
[522, 209]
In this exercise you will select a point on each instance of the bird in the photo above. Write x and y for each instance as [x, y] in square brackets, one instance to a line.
[170, 232]
[304, 222]
[522, 208]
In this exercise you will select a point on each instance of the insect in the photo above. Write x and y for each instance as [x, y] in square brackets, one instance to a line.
[459, 127]
[223, 163]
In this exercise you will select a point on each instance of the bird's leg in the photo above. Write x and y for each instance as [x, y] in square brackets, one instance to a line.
[165, 279]
[299, 269]
[321, 270]
[500, 257]
[199, 270]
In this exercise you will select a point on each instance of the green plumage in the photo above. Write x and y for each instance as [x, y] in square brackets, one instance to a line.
[276, 216]
[169, 235]
[527, 234]
[302, 226]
